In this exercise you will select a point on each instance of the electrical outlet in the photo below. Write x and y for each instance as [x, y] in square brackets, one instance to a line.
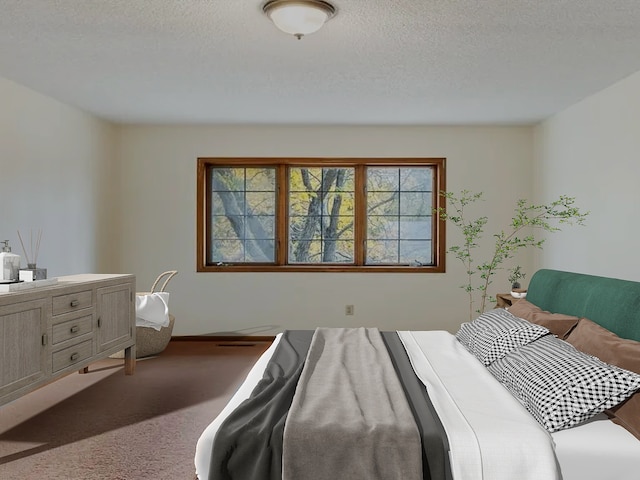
[348, 310]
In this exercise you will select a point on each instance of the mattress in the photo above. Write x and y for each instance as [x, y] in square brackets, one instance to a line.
[594, 450]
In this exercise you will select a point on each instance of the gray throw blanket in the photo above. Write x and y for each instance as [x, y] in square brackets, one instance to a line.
[350, 423]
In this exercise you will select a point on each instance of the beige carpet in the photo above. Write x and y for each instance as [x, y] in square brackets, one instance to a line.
[105, 425]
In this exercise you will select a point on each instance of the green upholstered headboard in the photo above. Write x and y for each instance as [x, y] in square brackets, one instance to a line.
[610, 302]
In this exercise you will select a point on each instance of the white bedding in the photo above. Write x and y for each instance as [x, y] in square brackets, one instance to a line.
[491, 435]
[595, 450]
[598, 449]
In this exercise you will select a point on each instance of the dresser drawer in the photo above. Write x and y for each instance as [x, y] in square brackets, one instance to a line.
[71, 329]
[70, 355]
[71, 302]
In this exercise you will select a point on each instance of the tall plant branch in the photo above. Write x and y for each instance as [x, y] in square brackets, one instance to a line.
[471, 231]
[507, 243]
[535, 217]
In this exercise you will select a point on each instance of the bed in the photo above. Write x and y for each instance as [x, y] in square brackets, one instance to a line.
[484, 420]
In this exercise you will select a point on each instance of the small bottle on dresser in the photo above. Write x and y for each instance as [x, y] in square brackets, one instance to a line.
[10, 263]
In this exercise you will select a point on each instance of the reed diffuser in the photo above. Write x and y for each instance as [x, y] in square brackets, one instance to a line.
[32, 259]
[32, 272]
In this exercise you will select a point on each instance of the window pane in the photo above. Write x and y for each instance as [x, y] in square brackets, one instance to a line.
[321, 215]
[259, 250]
[382, 252]
[399, 206]
[383, 179]
[415, 228]
[228, 228]
[239, 251]
[415, 252]
[226, 251]
[305, 251]
[416, 179]
[267, 226]
[221, 227]
[383, 203]
[346, 184]
[260, 203]
[341, 203]
[412, 203]
[221, 201]
[243, 206]
[260, 179]
[305, 179]
[227, 179]
[382, 228]
[343, 251]
[345, 228]
[299, 203]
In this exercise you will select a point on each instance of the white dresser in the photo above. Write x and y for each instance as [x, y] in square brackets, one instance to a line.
[50, 331]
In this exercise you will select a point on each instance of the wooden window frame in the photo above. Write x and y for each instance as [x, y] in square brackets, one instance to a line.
[204, 200]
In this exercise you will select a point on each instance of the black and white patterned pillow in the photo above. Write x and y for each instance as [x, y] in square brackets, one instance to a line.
[561, 386]
[496, 333]
[465, 336]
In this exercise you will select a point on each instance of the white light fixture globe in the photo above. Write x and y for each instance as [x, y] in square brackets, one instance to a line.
[299, 17]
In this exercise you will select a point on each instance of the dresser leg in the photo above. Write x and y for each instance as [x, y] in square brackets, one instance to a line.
[130, 360]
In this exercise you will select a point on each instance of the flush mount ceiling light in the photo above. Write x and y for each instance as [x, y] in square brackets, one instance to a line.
[299, 17]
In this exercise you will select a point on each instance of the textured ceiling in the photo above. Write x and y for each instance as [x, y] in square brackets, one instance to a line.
[403, 62]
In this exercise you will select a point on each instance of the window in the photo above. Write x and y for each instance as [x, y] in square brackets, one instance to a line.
[310, 214]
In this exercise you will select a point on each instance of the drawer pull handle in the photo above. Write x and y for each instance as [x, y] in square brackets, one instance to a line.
[74, 357]
[74, 329]
[74, 303]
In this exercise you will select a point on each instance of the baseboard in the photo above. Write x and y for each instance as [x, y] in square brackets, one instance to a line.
[223, 338]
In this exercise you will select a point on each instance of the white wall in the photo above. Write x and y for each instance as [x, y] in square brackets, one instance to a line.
[158, 190]
[56, 174]
[122, 199]
[592, 151]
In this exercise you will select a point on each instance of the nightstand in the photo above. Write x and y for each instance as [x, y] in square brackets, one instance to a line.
[504, 300]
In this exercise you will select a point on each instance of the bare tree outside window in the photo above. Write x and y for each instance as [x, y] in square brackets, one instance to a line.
[321, 215]
[242, 215]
